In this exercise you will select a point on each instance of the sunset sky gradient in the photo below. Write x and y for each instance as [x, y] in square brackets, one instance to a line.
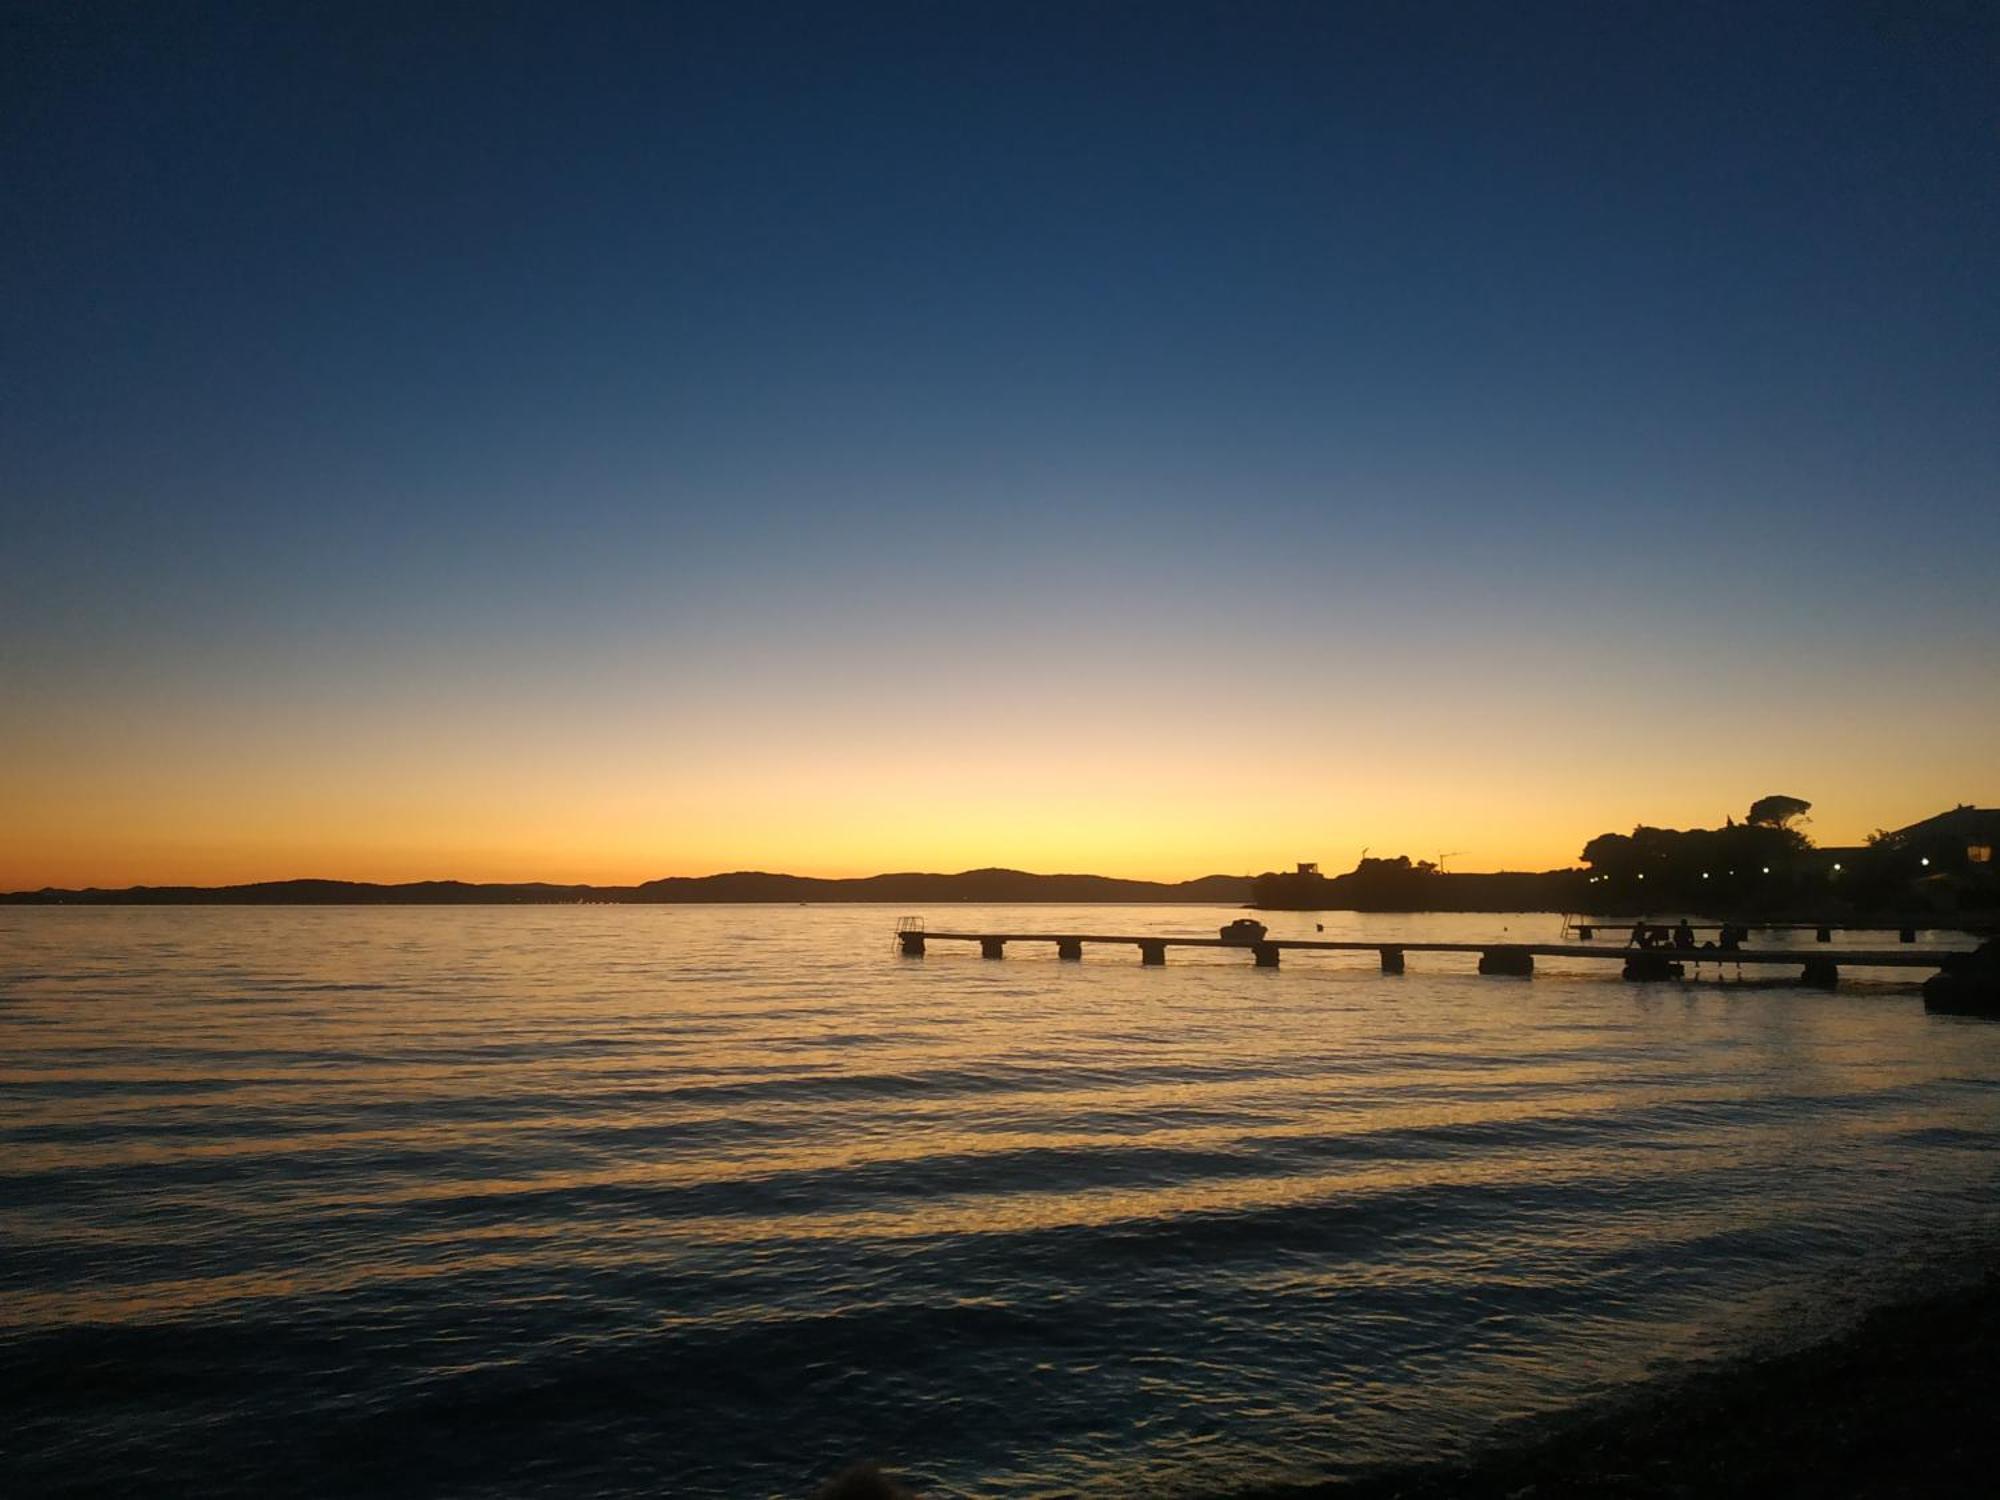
[518, 442]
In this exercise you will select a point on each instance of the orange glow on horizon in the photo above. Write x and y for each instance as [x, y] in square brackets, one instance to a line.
[1165, 827]
[809, 768]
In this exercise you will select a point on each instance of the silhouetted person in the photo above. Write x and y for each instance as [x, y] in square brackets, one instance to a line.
[1641, 935]
[1732, 937]
[1683, 934]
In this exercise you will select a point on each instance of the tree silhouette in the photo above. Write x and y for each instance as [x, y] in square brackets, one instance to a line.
[1776, 811]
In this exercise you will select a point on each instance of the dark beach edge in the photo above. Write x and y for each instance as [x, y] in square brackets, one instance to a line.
[1905, 1402]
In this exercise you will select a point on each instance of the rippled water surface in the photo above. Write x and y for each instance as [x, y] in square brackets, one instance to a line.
[709, 1200]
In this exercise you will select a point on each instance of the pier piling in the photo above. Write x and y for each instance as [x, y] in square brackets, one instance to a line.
[1152, 953]
[1069, 948]
[1646, 965]
[992, 947]
[1392, 960]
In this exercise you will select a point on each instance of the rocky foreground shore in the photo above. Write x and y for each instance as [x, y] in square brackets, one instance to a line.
[1907, 1403]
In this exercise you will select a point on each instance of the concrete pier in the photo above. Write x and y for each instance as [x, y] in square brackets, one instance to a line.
[1514, 960]
[1906, 928]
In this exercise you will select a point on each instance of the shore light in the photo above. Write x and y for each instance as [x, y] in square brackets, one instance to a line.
[1704, 874]
[1925, 860]
[1836, 867]
[1767, 869]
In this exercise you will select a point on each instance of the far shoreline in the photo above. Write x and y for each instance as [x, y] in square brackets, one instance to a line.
[911, 892]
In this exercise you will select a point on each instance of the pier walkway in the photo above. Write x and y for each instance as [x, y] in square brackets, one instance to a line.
[1905, 928]
[1821, 969]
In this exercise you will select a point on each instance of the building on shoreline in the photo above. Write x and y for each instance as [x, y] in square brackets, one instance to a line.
[1958, 842]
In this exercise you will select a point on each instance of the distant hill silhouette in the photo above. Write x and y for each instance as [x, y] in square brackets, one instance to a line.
[738, 886]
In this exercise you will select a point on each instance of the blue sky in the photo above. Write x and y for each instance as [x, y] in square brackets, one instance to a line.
[725, 354]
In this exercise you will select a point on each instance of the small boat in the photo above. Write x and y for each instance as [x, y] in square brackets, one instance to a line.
[1243, 932]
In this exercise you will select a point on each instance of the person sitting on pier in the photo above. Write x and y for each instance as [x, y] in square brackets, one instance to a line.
[1683, 934]
[1642, 935]
[1732, 937]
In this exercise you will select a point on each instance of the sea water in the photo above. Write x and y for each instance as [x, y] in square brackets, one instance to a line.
[712, 1200]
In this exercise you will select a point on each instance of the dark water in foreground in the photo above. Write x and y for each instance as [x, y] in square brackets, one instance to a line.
[710, 1200]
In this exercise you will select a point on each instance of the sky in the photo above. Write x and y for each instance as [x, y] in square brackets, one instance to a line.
[599, 443]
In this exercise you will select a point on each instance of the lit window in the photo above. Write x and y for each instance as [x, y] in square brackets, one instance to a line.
[1979, 854]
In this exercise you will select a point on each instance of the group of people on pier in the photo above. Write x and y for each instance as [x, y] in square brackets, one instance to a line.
[1680, 936]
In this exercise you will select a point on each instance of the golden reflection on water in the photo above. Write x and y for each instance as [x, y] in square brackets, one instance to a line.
[215, 1114]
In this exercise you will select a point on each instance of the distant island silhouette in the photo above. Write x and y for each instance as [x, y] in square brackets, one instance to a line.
[994, 885]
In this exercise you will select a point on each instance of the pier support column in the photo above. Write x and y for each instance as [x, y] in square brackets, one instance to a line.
[992, 948]
[1392, 960]
[1821, 974]
[1509, 960]
[1907, 935]
[1152, 953]
[1824, 935]
[913, 944]
[1643, 966]
[1069, 948]
[1584, 932]
[1267, 955]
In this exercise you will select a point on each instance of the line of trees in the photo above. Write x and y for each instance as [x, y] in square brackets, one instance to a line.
[1762, 867]
[1400, 883]
[1763, 862]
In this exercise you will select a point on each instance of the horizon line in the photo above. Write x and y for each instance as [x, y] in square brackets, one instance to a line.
[713, 875]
